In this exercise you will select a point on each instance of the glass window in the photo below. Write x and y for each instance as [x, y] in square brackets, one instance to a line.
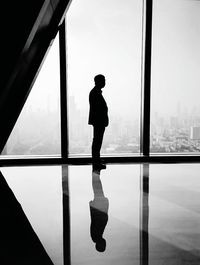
[175, 109]
[105, 37]
[37, 130]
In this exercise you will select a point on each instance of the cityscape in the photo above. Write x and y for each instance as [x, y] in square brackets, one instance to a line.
[178, 133]
[37, 132]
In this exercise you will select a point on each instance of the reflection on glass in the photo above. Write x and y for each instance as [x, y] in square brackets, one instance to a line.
[105, 37]
[98, 213]
[37, 130]
[175, 111]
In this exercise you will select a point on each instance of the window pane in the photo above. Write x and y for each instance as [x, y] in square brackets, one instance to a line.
[175, 112]
[37, 130]
[105, 37]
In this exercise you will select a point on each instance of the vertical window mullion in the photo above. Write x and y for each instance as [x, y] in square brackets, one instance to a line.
[63, 91]
[145, 130]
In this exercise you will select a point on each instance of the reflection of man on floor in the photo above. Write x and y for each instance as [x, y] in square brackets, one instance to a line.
[98, 117]
[98, 212]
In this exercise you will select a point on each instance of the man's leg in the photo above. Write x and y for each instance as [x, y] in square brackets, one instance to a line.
[98, 133]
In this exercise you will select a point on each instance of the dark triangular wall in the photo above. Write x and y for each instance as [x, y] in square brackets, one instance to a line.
[28, 29]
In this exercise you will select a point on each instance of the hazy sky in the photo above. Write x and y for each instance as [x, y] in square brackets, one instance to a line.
[176, 55]
[105, 37]
[46, 88]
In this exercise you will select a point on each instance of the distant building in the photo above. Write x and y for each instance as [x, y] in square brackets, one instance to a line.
[195, 133]
[174, 122]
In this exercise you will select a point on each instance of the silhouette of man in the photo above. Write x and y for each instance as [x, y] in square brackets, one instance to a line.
[98, 213]
[98, 117]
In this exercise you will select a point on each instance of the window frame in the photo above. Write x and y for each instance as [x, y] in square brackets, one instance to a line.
[144, 155]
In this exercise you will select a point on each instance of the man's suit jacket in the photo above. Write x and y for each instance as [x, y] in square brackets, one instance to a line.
[98, 114]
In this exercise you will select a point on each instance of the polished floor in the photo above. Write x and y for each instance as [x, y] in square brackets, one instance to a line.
[136, 214]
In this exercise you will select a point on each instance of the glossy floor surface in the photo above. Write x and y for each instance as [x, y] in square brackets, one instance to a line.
[125, 214]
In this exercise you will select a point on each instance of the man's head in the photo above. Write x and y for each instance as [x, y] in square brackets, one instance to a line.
[101, 245]
[99, 81]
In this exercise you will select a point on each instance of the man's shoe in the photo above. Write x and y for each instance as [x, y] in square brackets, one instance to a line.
[99, 166]
[102, 166]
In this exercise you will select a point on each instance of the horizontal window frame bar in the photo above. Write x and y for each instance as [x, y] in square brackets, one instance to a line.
[12, 162]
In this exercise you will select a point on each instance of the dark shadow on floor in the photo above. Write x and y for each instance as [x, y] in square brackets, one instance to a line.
[19, 244]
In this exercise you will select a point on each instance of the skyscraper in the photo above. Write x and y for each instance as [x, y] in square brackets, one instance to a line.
[195, 133]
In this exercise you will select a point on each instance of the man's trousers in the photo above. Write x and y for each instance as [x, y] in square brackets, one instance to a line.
[98, 133]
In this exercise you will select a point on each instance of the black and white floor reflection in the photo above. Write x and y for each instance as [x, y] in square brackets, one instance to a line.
[126, 214]
[31, 216]
[105, 213]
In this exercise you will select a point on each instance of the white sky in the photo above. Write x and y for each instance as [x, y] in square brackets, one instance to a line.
[176, 55]
[46, 88]
[104, 36]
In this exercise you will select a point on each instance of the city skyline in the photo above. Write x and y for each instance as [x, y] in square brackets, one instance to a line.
[123, 134]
